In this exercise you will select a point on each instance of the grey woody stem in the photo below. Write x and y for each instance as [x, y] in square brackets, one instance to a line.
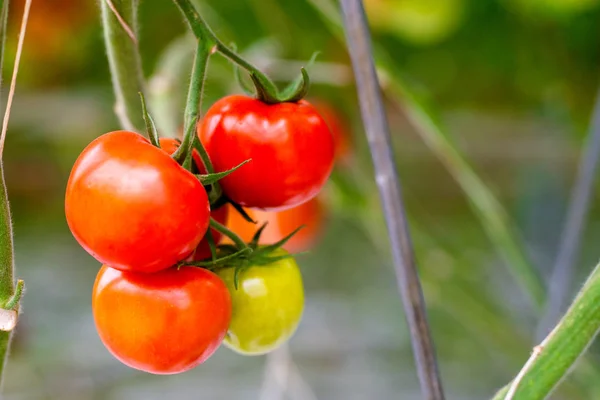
[378, 135]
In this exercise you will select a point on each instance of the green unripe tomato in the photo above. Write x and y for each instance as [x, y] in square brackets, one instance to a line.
[266, 307]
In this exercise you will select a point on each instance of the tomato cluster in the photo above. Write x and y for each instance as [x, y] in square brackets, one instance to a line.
[169, 292]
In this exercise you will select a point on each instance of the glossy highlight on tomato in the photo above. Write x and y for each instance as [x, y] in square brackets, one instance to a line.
[131, 206]
[162, 323]
[266, 307]
[290, 145]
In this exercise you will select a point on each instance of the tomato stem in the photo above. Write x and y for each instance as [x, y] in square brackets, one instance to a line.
[216, 192]
[227, 232]
[194, 99]
[192, 110]
[266, 90]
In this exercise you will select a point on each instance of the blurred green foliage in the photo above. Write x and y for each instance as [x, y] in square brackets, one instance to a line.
[515, 80]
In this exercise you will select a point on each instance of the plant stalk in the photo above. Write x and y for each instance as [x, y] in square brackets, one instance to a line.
[124, 62]
[203, 33]
[581, 195]
[556, 356]
[7, 281]
[378, 135]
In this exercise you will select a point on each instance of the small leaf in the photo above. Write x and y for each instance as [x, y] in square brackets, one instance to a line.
[275, 246]
[270, 260]
[256, 237]
[13, 301]
[265, 90]
[209, 179]
[246, 87]
[219, 261]
[300, 84]
[300, 91]
[236, 276]
[228, 248]
[242, 212]
[150, 126]
[187, 144]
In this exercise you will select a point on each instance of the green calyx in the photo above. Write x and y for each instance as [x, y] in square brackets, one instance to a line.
[150, 125]
[13, 302]
[209, 179]
[240, 255]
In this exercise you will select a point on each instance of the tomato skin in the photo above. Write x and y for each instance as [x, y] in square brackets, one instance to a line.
[162, 323]
[169, 145]
[131, 206]
[290, 145]
[281, 223]
[267, 306]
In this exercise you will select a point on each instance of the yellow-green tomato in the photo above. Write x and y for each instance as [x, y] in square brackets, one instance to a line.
[266, 307]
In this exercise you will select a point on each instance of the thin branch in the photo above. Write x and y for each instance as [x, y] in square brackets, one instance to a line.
[562, 273]
[378, 135]
[13, 83]
[123, 23]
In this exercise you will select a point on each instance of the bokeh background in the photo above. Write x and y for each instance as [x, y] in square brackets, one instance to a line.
[514, 82]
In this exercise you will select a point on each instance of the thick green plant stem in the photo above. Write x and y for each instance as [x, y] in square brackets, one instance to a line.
[7, 282]
[488, 209]
[552, 360]
[124, 61]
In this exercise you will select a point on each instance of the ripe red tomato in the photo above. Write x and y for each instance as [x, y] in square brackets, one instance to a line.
[162, 323]
[132, 207]
[290, 145]
[282, 223]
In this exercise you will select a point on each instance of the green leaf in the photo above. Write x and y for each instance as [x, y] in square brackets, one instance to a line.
[242, 212]
[187, 144]
[256, 236]
[219, 261]
[299, 87]
[236, 275]
[209, 179]
[275, 246]
[150, 126]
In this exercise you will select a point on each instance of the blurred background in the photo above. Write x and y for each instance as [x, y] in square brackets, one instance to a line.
[514, 83]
